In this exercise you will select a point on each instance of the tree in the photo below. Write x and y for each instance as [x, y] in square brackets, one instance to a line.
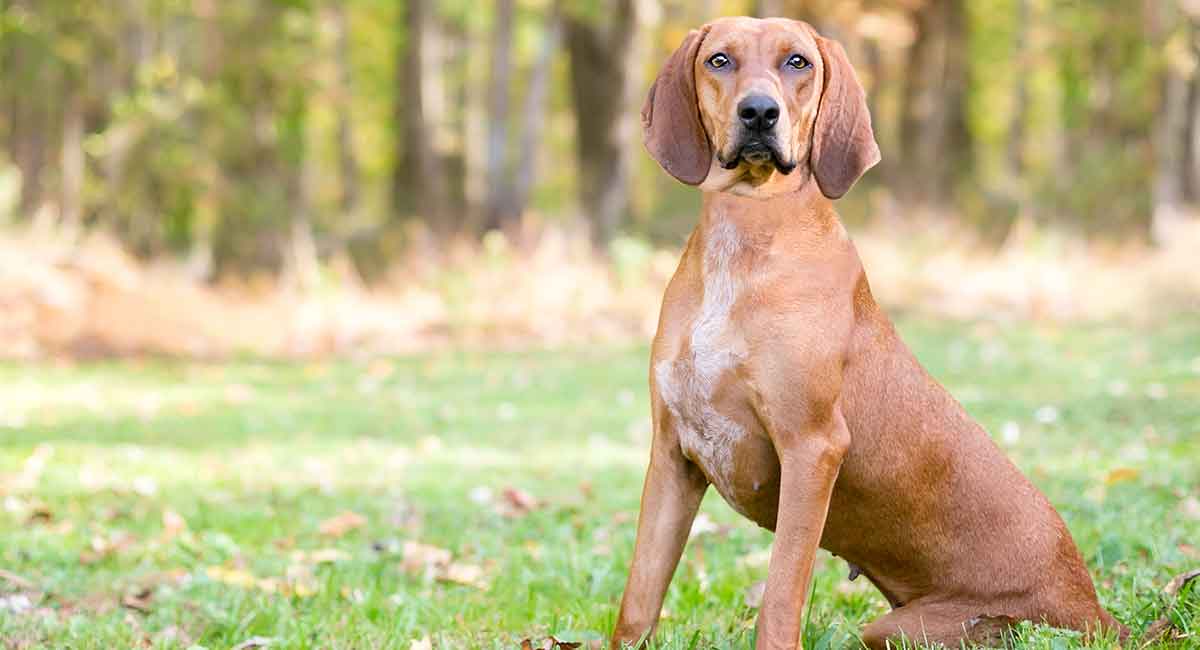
[1177, 137]
[419, 178]
[934, 139]
[601, 76]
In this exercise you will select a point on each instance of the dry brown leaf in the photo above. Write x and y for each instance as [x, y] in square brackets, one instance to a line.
[550, 643]
[470, 575]
[138, 600]
[419, 557]
[301, 581]
[519, 502]
[1164, 627]
[1176, 584]
[341, 524]
[103, 547]
[235, 577]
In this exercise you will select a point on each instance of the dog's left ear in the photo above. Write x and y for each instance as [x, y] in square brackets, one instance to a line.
[671, 125]
[844, 145]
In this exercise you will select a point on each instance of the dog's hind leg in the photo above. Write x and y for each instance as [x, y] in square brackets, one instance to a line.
[951, 624]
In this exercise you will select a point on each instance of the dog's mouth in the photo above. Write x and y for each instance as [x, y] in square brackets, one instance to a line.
[756, 152]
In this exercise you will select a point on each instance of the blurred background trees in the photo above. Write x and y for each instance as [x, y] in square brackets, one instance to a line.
[253, 136]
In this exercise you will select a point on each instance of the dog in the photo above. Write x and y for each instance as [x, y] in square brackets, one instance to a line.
[777, 379]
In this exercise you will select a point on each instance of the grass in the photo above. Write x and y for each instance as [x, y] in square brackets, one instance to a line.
[248, 459]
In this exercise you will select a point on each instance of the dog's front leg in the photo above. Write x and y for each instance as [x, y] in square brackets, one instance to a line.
[809, 464]
[671, 496]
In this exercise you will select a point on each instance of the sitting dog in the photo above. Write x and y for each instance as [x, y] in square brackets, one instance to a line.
[777, 379]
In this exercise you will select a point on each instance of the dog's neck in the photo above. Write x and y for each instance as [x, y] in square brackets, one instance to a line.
[804, 214]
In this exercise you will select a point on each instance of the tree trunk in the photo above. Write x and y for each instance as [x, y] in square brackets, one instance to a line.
[768, 8]
[600, 77]
[72, 159]
[534, 112]
[499, 211]
[30, 122]
[347, 159]
[418, 179]
[1175, 125]
[933, 131]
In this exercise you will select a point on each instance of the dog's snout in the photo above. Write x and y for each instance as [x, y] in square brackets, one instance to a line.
[758, 112]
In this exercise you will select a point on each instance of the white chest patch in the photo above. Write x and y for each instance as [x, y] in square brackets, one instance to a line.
[688, 383]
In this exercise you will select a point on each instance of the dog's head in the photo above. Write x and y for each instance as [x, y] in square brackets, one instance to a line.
[745, 102]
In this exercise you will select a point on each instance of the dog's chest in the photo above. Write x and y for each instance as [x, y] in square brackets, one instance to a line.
[697, 381]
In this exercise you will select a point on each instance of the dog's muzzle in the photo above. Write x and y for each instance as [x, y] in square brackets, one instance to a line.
[758, 149]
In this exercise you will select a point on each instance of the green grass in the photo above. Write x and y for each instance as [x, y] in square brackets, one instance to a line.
[255, 455]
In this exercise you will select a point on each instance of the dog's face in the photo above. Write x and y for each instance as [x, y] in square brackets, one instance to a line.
[743, 103]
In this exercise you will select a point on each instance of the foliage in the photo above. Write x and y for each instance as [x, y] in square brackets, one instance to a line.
[227, 130]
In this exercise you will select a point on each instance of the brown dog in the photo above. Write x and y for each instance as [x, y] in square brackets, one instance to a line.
[777, 379]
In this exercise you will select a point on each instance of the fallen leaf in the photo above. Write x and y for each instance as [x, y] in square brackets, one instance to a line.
[103, 547]
[40, 513]
[1164, 627]
[1176, 584]
[254, 642]
[301, 582]
[519, 502]
[421, 644]
[550, 643]
[1120, 475]
[470, 575]
[235, 577]
[138, 600]
[419, 557]
[341, 524]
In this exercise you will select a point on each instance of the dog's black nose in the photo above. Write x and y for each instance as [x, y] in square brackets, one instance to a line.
[758, 112]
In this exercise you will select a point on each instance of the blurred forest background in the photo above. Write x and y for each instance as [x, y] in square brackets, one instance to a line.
[435, 146]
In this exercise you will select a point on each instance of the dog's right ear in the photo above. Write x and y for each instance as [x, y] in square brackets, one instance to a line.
[671, 126]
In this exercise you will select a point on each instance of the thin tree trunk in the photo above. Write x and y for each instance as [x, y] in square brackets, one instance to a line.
[601, 60]
[347, 159]
[72, 160]
[768, 8]
[500, 199]
[1016, 128]
[534, 112]
[933, 134]
[1171, 139]
[418, 179]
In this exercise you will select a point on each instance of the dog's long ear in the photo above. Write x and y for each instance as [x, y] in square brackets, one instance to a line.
[844, 145]
[671, 125]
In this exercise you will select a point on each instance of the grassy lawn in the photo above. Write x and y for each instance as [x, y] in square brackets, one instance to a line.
[166, 504]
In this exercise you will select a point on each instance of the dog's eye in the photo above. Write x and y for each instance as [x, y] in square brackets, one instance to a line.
[798, 62]
[718, 60]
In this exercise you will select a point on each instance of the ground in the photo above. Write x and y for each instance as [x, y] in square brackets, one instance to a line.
[475, 499]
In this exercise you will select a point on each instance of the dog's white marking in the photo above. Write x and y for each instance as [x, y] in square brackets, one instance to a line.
[688, 383]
